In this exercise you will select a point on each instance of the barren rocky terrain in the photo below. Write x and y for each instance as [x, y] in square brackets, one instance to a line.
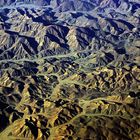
[70, 70]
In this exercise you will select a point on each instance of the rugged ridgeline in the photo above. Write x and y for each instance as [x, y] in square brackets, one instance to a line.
[69, 69]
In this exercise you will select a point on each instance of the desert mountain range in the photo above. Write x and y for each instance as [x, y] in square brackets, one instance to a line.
[69, 69]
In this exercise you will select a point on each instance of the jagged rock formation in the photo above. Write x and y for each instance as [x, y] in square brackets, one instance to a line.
[69, 69]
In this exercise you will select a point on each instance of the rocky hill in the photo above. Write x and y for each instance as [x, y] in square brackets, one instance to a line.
[69, 69]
